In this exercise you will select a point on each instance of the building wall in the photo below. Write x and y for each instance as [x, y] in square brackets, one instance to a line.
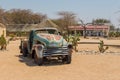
[91, 30]
[2, 30]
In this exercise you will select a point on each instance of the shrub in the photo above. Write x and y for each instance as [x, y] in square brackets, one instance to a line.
[111, 34]
[3, 42]
[114, 34]
[11, 37]
[74, 40]
[101, 47]
[117, 34]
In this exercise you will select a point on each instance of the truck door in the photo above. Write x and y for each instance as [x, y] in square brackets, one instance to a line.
[31, 40]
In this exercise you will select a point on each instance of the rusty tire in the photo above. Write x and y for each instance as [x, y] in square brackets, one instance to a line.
[37, 60]
[25, 52]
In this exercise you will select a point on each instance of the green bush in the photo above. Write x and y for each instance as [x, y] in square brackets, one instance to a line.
[11, 37]
[117, 34]
[114, 34]
[101, 47]
[20, 34]
[111, 34]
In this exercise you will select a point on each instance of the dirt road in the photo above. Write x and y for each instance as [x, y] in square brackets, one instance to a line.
[83, 67]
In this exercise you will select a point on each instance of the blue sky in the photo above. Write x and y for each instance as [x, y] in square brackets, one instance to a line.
[87, 10]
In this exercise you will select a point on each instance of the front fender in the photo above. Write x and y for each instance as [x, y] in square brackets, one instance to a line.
[39, 50]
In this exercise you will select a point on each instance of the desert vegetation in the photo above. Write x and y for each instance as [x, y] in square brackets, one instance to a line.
[101, 47]
[3, 43]
[20, 16]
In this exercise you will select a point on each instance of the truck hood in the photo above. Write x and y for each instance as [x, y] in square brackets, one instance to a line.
[52, 40]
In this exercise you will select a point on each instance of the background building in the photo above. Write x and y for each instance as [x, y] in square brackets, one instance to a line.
[2, 29]
[91, 30]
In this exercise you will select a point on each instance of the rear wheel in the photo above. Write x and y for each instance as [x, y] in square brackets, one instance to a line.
[37, 60]
[25, 52]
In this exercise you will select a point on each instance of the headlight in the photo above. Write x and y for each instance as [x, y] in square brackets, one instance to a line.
[70, 46]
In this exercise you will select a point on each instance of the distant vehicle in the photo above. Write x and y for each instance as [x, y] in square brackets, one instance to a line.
[46, 43]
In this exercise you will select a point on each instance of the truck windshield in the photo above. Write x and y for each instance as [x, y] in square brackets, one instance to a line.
[49, 31]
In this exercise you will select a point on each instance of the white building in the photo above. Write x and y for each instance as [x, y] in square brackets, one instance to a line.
[91, 30]
[2, 29]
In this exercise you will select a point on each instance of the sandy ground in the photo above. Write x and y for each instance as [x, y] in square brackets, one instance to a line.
[83, 67]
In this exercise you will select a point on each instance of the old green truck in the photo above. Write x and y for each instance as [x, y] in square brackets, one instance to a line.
[45, 44]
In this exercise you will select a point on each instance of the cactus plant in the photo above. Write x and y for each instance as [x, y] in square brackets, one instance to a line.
[3, 42]
[101, 47]
[74, 39]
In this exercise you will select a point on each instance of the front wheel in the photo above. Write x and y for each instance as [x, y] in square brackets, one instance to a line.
[37, 60]
[67, 59]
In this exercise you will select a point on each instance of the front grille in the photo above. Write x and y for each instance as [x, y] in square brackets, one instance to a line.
[56, 50]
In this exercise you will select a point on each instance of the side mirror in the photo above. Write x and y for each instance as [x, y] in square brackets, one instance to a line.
[59, 33]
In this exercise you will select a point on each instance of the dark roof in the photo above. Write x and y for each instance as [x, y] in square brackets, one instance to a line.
[21, 27]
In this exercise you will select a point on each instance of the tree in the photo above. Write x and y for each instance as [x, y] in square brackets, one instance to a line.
[20, 16]
[67, 19]
[84, 26]
[112, 27]
[25, 16]
[2, 15]
[100, 21]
